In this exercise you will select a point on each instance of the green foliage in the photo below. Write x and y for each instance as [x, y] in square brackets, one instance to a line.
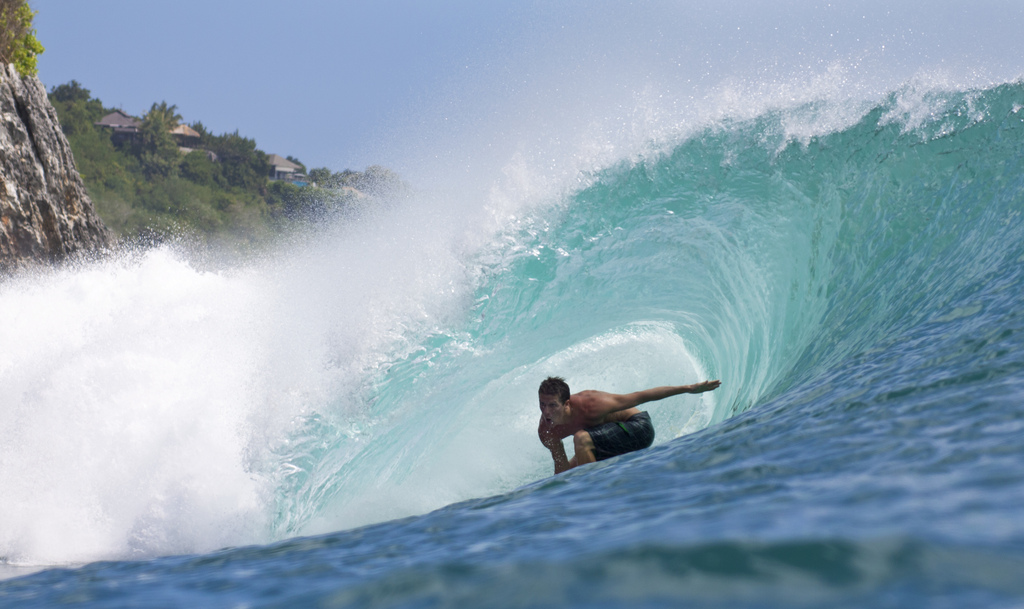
[201, 130]
[284, 198]
[379, 181]
[309, 202]
[242, 164]
[70, 93]
[76, 108]
[169, 114]
[321, 176]
[375, 180]
[154, 147]
[18, 43]
[24, 54]
[144, 186]
[198, 168]
[297, 162]
[99, 162]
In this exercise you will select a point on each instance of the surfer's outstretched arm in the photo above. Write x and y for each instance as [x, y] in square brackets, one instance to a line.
[600, 403]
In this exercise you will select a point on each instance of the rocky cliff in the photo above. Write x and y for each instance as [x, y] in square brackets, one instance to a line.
[45, 214]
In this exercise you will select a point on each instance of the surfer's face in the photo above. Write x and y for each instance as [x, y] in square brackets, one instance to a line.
[553, 411]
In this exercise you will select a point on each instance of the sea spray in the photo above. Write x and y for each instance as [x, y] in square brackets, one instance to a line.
[126, 401]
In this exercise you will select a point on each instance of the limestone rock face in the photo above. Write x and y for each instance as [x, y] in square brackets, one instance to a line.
[45, 214]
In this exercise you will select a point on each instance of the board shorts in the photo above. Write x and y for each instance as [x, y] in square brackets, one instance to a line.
[621, 437]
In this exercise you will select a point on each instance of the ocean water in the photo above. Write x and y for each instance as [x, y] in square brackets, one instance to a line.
[350, 420]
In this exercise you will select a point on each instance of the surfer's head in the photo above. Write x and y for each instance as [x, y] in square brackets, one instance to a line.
[554, 400]
[556, 386]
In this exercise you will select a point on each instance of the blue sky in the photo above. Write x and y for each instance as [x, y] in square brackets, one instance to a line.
[317, 80]
[349, 84]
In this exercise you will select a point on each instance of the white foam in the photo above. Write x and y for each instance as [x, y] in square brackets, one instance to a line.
[124, 418]
[144, 400]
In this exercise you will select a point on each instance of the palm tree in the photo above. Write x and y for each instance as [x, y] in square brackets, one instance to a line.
[168, 114]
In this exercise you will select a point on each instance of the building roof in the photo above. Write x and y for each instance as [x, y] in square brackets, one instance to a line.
[185, 130]
[118, 118]
[282, 164]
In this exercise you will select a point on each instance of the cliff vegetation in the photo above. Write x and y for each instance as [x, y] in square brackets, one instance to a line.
[18, 43]
[145, 182]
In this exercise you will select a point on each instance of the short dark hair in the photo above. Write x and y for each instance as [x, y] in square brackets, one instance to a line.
[555, 385]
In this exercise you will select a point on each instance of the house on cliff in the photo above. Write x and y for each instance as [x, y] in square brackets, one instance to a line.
[186, 137]
[285, 170]
[125, 127]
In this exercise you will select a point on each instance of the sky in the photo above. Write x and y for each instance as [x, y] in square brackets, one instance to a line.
[394, 82]
[313, 79]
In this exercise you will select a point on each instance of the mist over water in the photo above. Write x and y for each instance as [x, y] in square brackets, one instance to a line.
[145, 398]
[636, 205]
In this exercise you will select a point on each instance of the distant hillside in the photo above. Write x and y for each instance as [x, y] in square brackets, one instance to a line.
[154, 176]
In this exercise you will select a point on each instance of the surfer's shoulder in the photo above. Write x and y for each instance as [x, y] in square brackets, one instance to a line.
[584, 399]
[589, 401]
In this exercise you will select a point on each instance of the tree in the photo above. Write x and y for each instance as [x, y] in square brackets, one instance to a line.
[322, 177]
[379, 181]
[76, 108]
[108, 172]
[155, 148]
[146, 186]
[283, 198]
[18, 43]
[346, 177]
[242, 164]
[170, 117]
[70, 93]
[200, 128]
[198, 168]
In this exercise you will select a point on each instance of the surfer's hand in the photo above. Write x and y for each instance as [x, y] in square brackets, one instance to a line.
[547, 438]
[705, 386]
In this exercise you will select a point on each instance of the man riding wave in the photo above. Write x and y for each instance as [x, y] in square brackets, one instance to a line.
[603, 425]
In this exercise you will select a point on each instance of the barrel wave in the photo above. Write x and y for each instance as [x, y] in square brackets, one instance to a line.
[851, 271]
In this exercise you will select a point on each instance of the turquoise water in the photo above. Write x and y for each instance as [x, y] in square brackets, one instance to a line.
[356, 423]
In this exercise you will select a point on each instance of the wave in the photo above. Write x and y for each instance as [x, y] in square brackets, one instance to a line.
[751, 251]
[388, 366]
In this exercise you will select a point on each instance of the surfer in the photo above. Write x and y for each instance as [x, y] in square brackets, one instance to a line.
[603, 425]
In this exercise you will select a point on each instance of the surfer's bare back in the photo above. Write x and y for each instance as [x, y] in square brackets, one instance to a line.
[603, 425]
